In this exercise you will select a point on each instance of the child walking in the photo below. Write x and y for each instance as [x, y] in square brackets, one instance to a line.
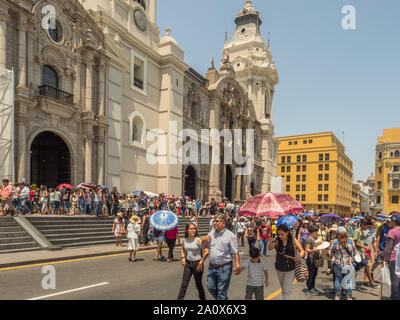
[133, 237]
[257, 275]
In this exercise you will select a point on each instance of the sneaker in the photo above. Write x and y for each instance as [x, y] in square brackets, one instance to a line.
[338, 297]
[311, 293]
[315, 291]
[349, 298]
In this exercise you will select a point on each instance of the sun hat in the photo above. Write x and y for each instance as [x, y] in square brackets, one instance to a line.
[134, 219]
[341, 230]
[306, 221]
[334, 227]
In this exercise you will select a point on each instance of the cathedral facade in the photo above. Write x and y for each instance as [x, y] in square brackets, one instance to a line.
[93, 91]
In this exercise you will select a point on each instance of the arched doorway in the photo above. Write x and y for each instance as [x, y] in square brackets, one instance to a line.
[228, 183]
[252, 190]
[50, 160]
[190, 182]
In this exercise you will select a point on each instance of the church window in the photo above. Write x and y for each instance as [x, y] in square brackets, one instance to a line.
[397, 154]
[267, 107]
[243, 30]
[49, 77]
[138, 72]
[56, 34]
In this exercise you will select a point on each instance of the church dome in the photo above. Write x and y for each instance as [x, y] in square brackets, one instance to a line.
[371, 178]
[168, 39]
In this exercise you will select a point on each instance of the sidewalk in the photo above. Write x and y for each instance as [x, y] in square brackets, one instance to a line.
[42, 256]
[324, 283]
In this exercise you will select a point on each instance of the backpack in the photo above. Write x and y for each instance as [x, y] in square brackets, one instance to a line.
[397, 255]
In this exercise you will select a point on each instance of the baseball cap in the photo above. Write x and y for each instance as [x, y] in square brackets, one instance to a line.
[395, 218]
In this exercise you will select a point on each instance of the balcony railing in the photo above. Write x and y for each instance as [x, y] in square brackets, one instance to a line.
[49, 91]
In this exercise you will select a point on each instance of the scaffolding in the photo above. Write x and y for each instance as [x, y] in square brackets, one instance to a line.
[6, 124]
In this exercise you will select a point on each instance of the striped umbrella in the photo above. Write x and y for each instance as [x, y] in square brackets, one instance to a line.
[271, 205]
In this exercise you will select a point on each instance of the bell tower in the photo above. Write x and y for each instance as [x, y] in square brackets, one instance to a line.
[253, 62]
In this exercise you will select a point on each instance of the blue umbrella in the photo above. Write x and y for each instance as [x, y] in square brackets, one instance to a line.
[383, 215]
[137, 193]
[164, 220]
[289, 221]
[103, 187]
[309, 214]
[327, 218]
[359, 217]
[354, 220]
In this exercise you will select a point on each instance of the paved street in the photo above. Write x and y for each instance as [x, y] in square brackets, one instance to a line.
[115, 278]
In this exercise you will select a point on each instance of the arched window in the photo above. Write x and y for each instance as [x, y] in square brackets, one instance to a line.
[49, 76]
[267, 107]
[397, 154]
[142, 3]
[380, 155]
[137, 129]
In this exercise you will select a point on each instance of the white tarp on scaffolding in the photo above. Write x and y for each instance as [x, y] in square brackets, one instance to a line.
[6, 124]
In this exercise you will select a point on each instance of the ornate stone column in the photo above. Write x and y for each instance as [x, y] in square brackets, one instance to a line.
[77, 80]
[88, 60]
[3, 32]
[88, 139]
[100, 156]
[22, 29]
[102, 70]
[21, 150]
[215, 191]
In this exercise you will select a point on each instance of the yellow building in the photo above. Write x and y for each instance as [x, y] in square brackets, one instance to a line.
[355, 199]
[317, 172]
[387, 171]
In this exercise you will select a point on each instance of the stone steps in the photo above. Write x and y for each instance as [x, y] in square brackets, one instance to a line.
[79, 231]
[13, 238]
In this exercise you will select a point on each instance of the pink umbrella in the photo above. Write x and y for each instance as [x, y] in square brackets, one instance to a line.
[271, 205]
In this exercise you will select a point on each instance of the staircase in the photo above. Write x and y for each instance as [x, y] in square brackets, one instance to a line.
[79, 231]
[13, 237]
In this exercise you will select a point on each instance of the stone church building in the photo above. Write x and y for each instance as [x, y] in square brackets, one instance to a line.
[91, 88]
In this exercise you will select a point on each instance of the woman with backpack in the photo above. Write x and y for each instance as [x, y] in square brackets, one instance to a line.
[193, 254]
[286, 247]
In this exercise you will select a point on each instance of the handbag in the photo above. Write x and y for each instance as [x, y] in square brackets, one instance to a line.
[318, 260]
[300, 269]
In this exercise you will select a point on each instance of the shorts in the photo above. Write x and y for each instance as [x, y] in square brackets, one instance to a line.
[258, 291]
[158, 239]
[133, 244]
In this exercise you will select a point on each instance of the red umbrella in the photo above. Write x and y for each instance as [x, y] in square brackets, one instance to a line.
[271, 205]
[66, 185]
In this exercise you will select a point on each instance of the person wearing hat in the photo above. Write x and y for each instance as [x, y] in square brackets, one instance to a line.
[341, 252]
[390, 254]
[6, 192]
[133, 237]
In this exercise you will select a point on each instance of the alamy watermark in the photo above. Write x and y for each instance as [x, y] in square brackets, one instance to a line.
[189, 152]
[349, 20]
[49, 280]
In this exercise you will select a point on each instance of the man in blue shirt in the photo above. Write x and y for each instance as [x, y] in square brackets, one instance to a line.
[223, 246]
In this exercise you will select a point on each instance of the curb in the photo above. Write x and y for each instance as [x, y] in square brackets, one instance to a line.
[72, 257]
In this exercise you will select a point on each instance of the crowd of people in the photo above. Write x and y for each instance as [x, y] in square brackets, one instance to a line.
[23, 199]
[301, 249]
[347, 248]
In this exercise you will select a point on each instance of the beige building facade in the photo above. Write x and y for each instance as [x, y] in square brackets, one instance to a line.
[94, 94]
[59, 124]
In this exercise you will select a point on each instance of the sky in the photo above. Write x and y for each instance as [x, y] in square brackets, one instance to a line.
[331, 79]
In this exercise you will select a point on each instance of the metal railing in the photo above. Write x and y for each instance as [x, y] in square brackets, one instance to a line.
[49, 91]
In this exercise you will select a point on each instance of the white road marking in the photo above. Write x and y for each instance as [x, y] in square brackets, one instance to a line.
[68, 291]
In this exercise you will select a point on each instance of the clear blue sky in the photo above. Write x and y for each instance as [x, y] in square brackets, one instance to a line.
[331, 79]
